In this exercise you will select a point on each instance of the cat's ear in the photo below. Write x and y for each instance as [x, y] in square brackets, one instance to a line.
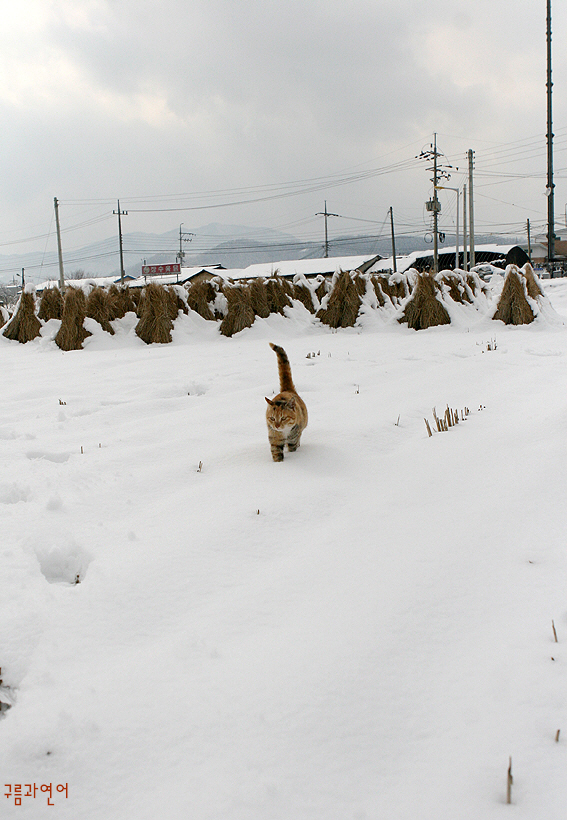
[290, 404]
[271, 403]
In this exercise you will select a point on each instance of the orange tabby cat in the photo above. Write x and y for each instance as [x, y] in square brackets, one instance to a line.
[286, 415]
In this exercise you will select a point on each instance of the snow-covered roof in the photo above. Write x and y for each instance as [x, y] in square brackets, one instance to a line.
[90, 281]
[185, 275]
[409, 260]
[308, 267]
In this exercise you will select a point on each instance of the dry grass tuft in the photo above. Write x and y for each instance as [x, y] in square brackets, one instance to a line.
[51, 304]
[513, 307]
[155, 323]
[240, 313]
[72, 333]
[98, 308]
[343, 303]
[423, 309]
[24, 324]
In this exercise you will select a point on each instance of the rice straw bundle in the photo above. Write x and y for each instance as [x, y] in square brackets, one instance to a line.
[513, 307]
[155, 324]
[121, 301]
[259, 297]
[278, 294]
[240, 313]
[343, 302]
[423, 309]
[24, 324]
[98, 308]
[51, 304]
[72, 333]
[199, 297]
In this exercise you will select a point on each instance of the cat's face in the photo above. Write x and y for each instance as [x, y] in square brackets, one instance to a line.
[281, 415]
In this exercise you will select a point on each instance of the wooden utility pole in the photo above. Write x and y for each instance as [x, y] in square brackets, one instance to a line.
[184, 236]
[120, 214]
[465, 229]
[529, 242]
[60, 253]
[326, 214]
[436, 209]
[550, 184]
[471, 208]
[393, 239]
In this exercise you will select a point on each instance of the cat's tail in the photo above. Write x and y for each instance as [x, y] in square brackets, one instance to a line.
[284, 369]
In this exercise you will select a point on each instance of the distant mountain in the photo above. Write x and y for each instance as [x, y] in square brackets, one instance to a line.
[233, 246]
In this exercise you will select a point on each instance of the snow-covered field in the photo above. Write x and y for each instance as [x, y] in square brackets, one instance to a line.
[361, 631]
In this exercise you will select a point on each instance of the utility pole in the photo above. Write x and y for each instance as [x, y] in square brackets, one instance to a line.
[326, 214]
[183, 237]
[434, 206]
[60, 253]
[23, 279]
[456, 190]
[436, 209]
[465, 237]
[529, 242]
[393, 238]
[550, 184]
[120, 214]
[471, 208]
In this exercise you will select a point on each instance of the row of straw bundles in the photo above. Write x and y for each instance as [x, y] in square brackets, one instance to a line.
[260, 297]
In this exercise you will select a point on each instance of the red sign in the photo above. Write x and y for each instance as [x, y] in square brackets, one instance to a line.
[156, 270]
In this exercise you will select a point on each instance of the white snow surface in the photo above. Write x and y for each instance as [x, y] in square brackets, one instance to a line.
[361, 631]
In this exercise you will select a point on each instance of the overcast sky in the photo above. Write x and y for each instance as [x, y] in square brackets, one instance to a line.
[197, 104]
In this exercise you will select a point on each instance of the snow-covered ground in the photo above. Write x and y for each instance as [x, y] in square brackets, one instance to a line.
[361, 631]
